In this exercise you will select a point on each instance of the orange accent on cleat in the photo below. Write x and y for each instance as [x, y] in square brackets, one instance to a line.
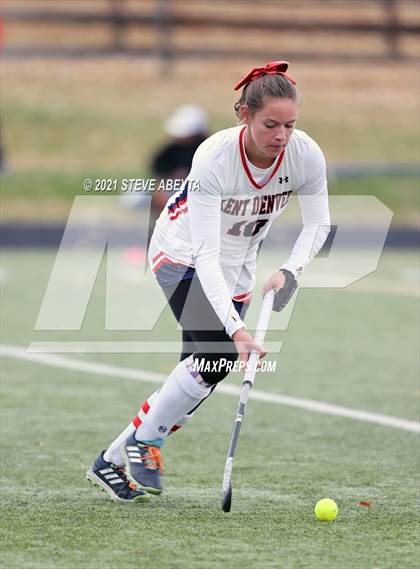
[153, 460]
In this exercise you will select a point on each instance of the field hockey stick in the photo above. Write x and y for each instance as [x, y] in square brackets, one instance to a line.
[249, 377]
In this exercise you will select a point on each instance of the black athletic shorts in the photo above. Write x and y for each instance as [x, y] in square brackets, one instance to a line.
[203, 334]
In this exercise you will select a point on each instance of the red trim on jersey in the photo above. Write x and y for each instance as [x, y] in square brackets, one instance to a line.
[175, 428]
[245, 298]
[162, 259]
[156, 259]
[156, 256]
[137, 421]
[179, 204]
[173, 213]
[178, 212]
[245, 165]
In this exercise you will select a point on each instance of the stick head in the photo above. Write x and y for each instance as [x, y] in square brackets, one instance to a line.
[227, 499]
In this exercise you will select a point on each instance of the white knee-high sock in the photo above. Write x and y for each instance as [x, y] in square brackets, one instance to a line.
[145, 408]
[180, 393]
[113, 452]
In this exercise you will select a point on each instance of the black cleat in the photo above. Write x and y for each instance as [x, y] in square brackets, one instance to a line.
[113, 480]
[143, 465]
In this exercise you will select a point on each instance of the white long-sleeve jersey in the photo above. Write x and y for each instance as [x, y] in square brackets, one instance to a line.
[225, 208]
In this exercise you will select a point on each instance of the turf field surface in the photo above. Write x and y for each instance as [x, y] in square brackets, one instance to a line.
[355, 347]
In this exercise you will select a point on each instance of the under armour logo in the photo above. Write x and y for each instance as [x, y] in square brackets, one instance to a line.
[285, 180]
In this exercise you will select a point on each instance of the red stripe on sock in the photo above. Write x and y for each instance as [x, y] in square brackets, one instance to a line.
[145, 408]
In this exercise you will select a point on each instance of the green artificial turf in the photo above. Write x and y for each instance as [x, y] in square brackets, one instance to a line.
[349, 347]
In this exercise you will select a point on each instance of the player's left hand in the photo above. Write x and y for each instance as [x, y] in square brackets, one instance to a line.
[285, 284]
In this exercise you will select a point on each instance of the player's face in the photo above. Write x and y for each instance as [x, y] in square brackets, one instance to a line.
[271, 127]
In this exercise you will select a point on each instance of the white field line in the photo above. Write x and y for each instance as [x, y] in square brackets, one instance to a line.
[226, 388]
[126, 347]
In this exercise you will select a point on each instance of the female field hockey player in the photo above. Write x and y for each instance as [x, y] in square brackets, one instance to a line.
[204, 252]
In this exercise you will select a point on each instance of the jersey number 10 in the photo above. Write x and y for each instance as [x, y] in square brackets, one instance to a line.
[247, 228]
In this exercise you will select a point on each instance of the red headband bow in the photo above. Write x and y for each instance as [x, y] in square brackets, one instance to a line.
[273, 68]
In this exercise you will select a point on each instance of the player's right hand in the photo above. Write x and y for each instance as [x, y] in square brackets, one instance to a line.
[245, 343]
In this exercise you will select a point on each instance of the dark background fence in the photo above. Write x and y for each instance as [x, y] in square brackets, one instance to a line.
[341, 30]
